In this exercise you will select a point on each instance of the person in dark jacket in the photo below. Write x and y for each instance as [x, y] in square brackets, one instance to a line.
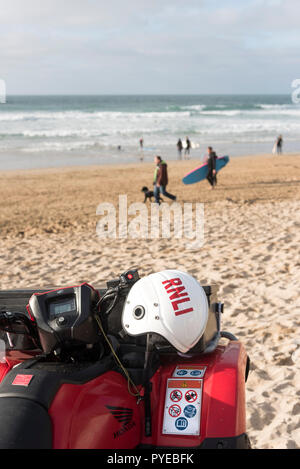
[188, 147]
[161, 180]
[279, 144]
[179, 148]
[212, 171]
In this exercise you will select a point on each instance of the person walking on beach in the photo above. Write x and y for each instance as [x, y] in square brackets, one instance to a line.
[277, 149]
[187, 148]
[142, 149]
[161, 180]
[279, 144]
[179, 147]
[212, 171]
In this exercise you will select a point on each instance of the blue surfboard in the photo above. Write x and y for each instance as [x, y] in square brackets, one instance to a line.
[200, 173]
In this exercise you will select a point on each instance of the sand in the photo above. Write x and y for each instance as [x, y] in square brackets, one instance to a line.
[48, 237]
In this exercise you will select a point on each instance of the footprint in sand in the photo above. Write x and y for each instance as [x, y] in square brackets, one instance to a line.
[236, 312]
[282, 386]
[229, 288]
[262, 373]
[257, 421]
[296, 409]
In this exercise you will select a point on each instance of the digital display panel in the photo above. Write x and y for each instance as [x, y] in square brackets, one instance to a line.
[61, 307]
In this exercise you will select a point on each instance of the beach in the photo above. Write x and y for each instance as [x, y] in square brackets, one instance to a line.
[48, 225]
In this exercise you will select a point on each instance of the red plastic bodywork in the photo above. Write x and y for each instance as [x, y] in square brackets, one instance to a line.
[81, 419]
[102, 414]
[13, 358]
[223, 400]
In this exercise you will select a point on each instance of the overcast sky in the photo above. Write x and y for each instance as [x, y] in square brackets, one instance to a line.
[149, 46]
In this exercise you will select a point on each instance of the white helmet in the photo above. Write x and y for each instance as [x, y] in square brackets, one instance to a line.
[169, 303]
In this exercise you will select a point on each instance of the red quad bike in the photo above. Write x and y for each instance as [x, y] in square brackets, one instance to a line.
[138, 365]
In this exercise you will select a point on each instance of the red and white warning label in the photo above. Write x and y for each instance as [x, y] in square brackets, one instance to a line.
[189, 371]
[191, 396]
[182, 414]
[176, 395]
[175, 410]
[22, 380]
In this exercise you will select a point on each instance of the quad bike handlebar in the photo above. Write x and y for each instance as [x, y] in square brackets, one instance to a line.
[64, 319]
[48, 318]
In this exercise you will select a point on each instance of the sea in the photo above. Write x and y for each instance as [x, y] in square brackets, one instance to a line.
[56, 131]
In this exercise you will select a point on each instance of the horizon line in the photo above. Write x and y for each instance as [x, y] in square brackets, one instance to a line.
[148, 94]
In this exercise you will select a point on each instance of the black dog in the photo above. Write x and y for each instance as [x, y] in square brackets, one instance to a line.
[149, 195]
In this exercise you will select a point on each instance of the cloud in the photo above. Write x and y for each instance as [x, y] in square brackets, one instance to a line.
[147, 46]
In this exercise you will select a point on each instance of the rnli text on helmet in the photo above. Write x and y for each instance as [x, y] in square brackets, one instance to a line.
[177, 294]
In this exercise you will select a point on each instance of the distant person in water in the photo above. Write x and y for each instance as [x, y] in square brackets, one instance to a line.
[187, 148]
[161, 180]
[279, 144]
[212, 169]
[142, 149]
[179, 148]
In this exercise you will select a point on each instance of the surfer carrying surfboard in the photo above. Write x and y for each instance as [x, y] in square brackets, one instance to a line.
[212, 170]
[209, 170]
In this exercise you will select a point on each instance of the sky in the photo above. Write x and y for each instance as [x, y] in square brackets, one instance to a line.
[149, 46]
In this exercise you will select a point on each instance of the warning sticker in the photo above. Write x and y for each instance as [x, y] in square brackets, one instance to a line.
[189, 371]
[22, 380]
[181, 424]
[175, 410]
[184, 383]
[191, 396]
[183, 418]
[190, 411]
[176, 395]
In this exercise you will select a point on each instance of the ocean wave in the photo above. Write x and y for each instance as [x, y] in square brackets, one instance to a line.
[47, 118]
[194, 107]
[70, 130]
[83, 115]
[132, 130]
